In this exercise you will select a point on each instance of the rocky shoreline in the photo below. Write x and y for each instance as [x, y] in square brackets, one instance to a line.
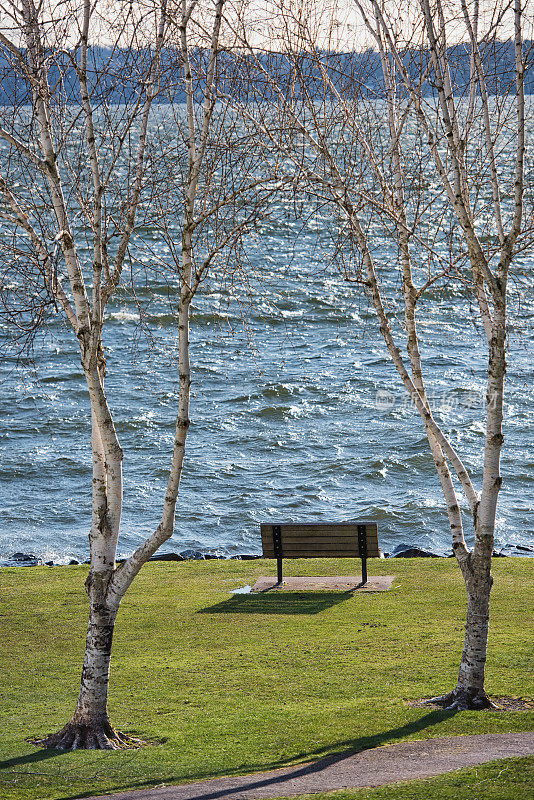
[401, 551]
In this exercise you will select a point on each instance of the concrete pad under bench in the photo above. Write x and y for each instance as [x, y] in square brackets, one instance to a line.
[313, 583]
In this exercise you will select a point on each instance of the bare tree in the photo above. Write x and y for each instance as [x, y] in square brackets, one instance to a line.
[94, 146]
[417, 143]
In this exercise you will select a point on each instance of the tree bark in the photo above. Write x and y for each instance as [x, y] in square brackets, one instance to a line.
[469, 691]
[90, 726]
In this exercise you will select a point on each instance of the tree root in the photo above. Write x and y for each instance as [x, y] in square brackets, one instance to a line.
[463, 699]
[83, 736]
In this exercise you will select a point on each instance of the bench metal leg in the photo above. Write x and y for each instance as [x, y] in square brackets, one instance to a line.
[362, 547]
[277, 546]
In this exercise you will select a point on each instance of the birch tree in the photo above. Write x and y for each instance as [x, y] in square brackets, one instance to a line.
[419, 142]
[86, 157]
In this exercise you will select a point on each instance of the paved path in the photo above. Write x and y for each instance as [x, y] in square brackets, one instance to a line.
[376, 767]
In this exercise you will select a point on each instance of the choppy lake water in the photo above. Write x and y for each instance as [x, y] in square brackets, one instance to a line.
[297, 413]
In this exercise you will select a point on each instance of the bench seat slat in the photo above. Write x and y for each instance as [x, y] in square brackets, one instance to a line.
[320, 537]
[343, 543]
[322, 554]
[345, 552]
[323, 528]
[319, 547]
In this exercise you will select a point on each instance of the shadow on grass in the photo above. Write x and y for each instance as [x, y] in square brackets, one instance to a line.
[274, 783]
[31, 758]
[386, 737]
[279, 603]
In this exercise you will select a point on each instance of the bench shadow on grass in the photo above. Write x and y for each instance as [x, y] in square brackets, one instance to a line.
[279, 603]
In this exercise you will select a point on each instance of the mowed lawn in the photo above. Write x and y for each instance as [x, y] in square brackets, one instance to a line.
[229, 684]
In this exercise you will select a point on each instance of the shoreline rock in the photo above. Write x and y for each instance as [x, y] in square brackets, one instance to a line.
[412, 551]
[402, 550]
[23, 560]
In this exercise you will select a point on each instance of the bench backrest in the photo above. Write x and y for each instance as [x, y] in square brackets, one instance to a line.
[320, 540]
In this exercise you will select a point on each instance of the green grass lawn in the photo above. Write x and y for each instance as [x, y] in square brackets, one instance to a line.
[229, 684]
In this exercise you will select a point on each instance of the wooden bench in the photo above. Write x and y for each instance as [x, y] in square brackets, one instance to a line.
[358, 539]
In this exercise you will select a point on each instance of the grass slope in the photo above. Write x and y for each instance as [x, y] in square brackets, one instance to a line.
[232, 684]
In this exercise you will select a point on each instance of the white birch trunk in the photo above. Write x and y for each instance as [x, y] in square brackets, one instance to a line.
[470, 692]
[90, 726]
[489, 285]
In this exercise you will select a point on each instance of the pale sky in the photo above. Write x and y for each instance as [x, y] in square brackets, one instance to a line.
[338, 24]
[327, 24]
